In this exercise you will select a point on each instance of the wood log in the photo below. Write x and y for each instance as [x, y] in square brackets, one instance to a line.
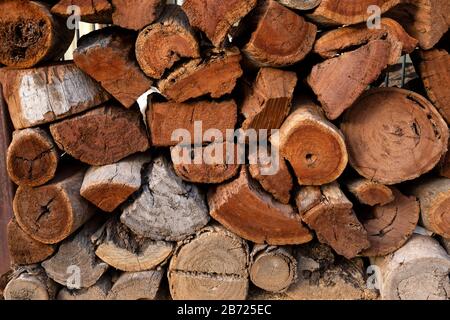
[4, 279]
[98, 291]
[307, 198]
[136, 14]
[30, 283]
[120, 248]
[107, 187]
[268, 102]
[75, 264]
[390, 226]
[31, 34]
[369, 192]
[445, 164]
[314, 147]
[215, 166]
[46, 94]
[434, 198]
[207, 277]
[91, 11]
[417, 271]
[300, 4]
[272, 268]
[102, 136]
[167, 208]
[198, 77]
[51, 213]
[23, 249]
[163, 43]
[294, 36]
[32, 158]
[385, 125]
[338, 82]
[336, 224]
[107, 55]
[244, 208]
[142, 285]
[446, 244]
[166, 118]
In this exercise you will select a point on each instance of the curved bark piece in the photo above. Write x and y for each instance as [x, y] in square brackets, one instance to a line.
[98, 291]
[107, 187]
[273, 269]
[120, 248]
[219, 270]
[293, 41]
[136, 14]
[216, 17]
[160, 45]
[75, 263]
[30, 34]
[394, 135]
[30, 283]
[108, 56]
[300, 4]
[102, 136]
[32, 158]
[390, 226]
[369, 192]
[54, 211]
[434, 197]
[167, 208]
[142, 285]
[91, 11]
[314, 147]
[244, 208]
[338, 82]
[46, 94]
[417, 271]
[198, 77]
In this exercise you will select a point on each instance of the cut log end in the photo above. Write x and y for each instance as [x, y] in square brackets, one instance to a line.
[30, 283]
[142, 285]
[370, 193]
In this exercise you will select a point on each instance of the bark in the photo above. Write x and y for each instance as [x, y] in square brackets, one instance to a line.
[445, 164]
[369, 192]
[300, 4]
[136, 14]
[98, 291]
[142, 285]
[307, 198]
[30, 283]
[91, 11]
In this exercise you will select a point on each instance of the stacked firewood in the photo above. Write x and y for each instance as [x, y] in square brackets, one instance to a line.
[115, 199]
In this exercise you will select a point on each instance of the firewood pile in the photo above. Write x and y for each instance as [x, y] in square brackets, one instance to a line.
[269, 160]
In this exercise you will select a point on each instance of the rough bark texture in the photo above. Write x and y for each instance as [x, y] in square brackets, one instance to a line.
[207, 277]
[136, 14]
[307, 198]
[102, 136]
[338, 82]
[394, 135]
[98, 291]
[369, 192]
[167, 208]
[107, 55]
[46, 94]
[300, 4]
[445, 164]
[142, 285]
[30, 34]
[30, 283]
[244, 208]
[91, 11]
[198, 77]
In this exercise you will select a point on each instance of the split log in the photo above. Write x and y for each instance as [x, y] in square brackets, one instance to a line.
[217, 164]
[307, 198]
[394, 135]
[107, 55]
[419, 270]
[142, 285]
[369, 192]
[216, 17]
[165, 119]
[160, 45]
[269, 100]
[23, 249]
[338, 82]
[390, 226]
[102, 136]
[31, 34]
[109, 186]
[32, 158]
[30, 283]
[445, 164]
[434, 197]
[120, 248]
[98, 291]
[314, 147]
[198, 77]
[219, 270]
[75, 264]
[244, 208]
[167, 208]
[136, 14]
[46, 94]
[91, 11]
[273, 269]
[300, 4]
[293, 41]
[51, 213]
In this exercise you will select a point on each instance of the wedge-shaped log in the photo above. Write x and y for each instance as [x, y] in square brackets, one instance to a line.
[91, 11]
[142, 285]
[136, 14]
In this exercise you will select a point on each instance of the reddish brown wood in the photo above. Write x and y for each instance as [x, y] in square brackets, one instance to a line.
[136, 14]
[92, 11]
